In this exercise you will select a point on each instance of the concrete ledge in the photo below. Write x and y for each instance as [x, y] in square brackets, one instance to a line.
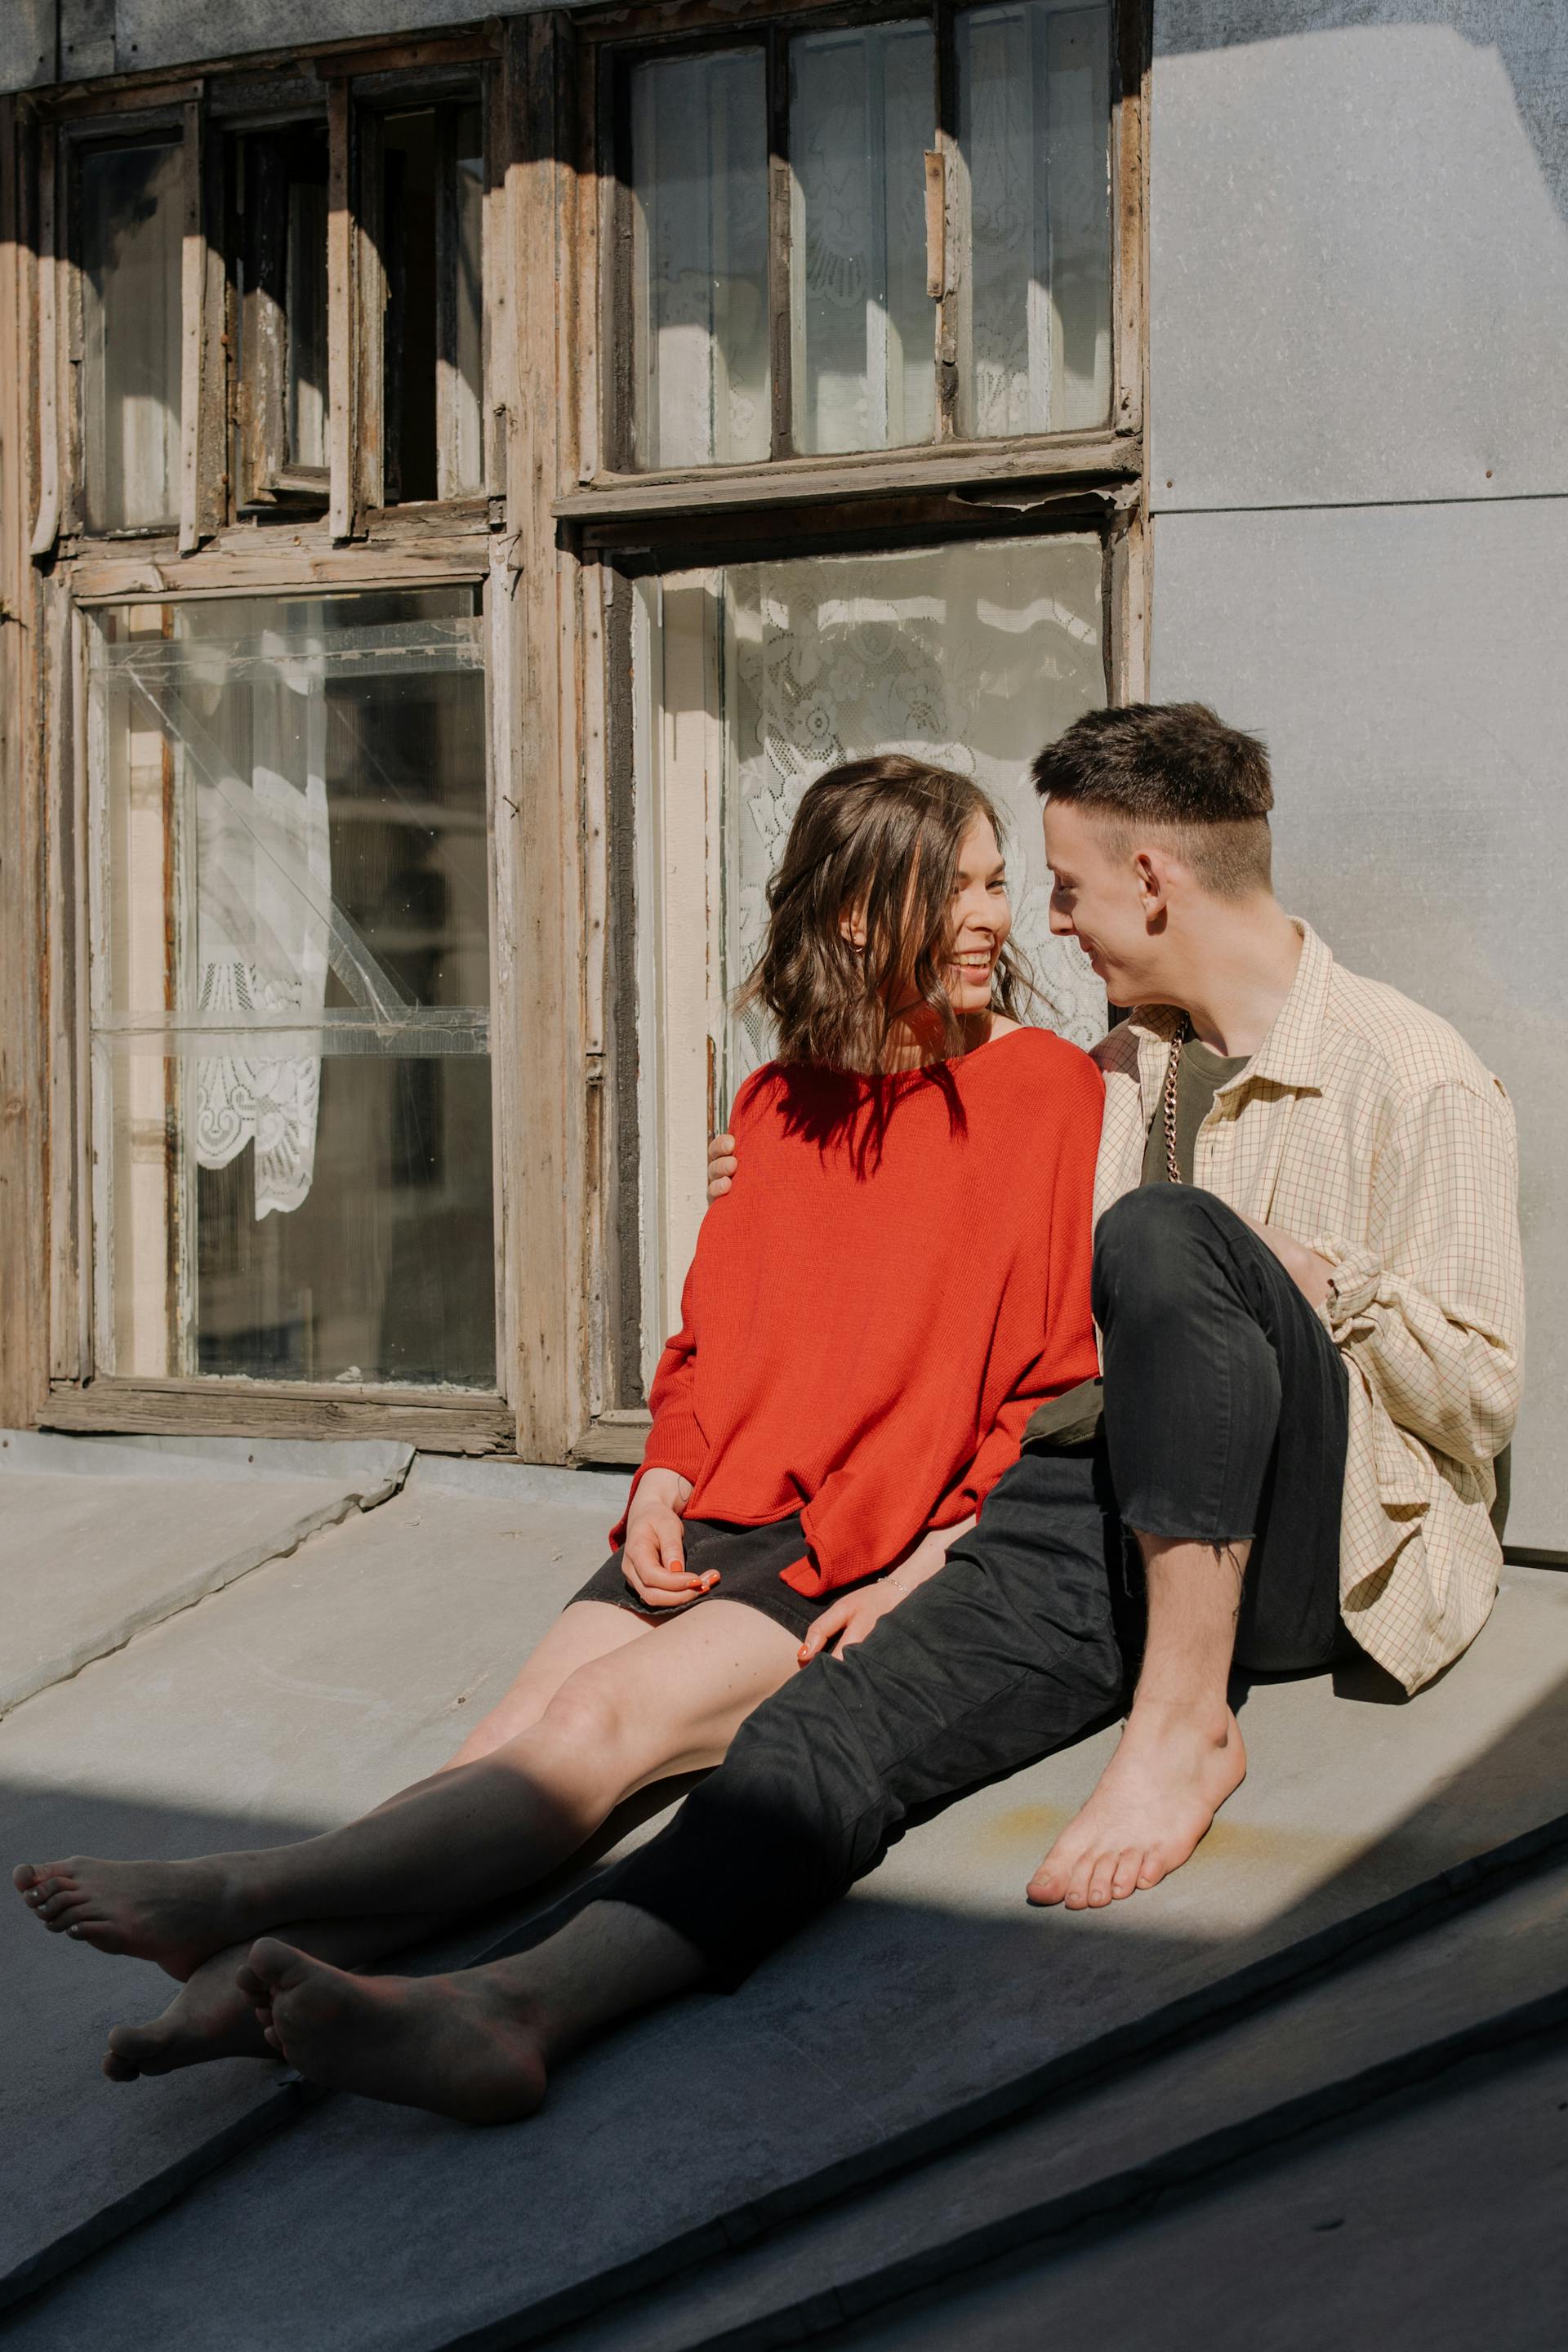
[102, 1538]
[374, 1467]
[488, 1479]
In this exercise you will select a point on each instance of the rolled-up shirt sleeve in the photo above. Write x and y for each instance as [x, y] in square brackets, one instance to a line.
[1431, 1312]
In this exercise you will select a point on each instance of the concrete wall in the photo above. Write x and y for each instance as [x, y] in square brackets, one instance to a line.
[1359, 342]
[70, 40]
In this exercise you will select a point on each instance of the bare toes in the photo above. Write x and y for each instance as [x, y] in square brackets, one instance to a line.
[1125, 1879]
[1099, 1878]
[57, 1906]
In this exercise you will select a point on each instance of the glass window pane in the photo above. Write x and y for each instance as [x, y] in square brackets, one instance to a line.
[862, 115]
[132, 221]
[291, 986]
[463, 469]
[1035, 139]
[409, 332]
[700, 181]
[752, 679]
[431, 234]
[282, 189]
[305, 298]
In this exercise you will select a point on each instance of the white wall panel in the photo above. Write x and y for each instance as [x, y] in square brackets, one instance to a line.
[1406, 668]
[1359, 250]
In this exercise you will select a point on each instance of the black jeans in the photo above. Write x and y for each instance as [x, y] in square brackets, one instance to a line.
[1225, 1418]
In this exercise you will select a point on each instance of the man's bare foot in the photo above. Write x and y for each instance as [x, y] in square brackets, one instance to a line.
[176, 1912]
[209, 2017]
[1155, 1802]
[463, 2045]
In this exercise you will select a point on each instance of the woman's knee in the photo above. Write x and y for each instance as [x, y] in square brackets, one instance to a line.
[588, 1720]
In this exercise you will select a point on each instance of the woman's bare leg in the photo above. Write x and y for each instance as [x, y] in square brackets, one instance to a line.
[467, 1835]
[210, 2017]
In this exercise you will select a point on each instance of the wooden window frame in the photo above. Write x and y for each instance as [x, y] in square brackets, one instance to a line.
[555, 519]
[618, 522]
[349, 545]
[619, 40]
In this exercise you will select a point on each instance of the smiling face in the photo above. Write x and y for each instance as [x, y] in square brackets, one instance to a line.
[981, 920]
[1111, 898]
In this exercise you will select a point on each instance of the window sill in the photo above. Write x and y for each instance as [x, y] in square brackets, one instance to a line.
[942, 466]
[436, 1423]
[616, 1439]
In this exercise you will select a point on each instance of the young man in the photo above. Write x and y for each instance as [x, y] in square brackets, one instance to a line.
[1307, 1285]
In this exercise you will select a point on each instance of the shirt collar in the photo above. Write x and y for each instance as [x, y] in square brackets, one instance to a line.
[1291, 1055]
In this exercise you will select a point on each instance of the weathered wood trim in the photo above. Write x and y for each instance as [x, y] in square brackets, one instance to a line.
[155, 98]
[24, 1236]
[132, 582]
[342, 373]
[46, 374]
[538, 848]
[369, 307]
[411, 56]
[63, 812]
[675, 20]
[595, 199]
[1083, 455]
[1130, 224]
[1129, 602]
[233, 1408]
[614, 1439]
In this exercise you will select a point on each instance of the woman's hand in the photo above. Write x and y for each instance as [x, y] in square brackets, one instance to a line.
[653, 1558]
[852, 1616]
[721, 1165]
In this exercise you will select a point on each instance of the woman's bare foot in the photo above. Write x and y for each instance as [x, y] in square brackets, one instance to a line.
[176, 1912]
[1155, 1802]
[466, 2045]
[209, 2017]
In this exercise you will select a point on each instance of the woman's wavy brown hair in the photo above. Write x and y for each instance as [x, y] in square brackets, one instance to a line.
[881, 835]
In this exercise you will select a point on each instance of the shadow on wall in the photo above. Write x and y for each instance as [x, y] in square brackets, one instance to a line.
[1530, 38]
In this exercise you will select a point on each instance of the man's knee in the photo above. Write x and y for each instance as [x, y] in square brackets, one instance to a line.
[1153, 1245]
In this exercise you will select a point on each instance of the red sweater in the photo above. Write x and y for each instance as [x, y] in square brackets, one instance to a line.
[897, 1279]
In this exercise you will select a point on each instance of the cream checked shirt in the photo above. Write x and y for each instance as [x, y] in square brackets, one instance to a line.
[1365, 1128]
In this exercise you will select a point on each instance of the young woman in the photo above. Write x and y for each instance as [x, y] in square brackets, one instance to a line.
[890, 1290]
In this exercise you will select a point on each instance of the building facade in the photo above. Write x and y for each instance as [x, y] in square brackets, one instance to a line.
[459, 479]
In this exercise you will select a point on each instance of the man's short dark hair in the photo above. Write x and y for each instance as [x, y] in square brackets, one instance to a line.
[1178, 767]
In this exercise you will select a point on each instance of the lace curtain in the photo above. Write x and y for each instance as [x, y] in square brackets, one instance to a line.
[263, 920]
[1033, 114]
[700, 174]
[971, 656]
[862, 110]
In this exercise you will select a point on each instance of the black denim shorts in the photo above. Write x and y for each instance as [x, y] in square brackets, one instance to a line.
[749, 1561]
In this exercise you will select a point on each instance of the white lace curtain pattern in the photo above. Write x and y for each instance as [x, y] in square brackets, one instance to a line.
[263, 926]
[972, 656]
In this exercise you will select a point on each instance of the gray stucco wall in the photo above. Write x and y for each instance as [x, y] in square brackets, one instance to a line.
[1359, 340]
[71, 41]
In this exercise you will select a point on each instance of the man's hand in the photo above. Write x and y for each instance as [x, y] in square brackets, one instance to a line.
[721, 1165]
[653, 1559]
[852, 1616]
[1311, 1274]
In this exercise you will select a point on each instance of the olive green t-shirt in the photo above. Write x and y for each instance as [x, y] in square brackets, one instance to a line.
[1199, 1077]
[1072, 1418]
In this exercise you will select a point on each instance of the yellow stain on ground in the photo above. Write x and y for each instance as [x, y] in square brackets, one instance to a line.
[1032, 1829]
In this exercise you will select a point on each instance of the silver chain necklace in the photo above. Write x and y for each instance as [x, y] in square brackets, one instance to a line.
[1172, 1074]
